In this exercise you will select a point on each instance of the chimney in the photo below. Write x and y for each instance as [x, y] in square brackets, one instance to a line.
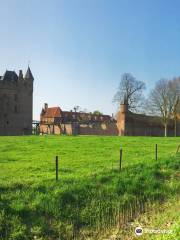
[45, 106]
[20, 77]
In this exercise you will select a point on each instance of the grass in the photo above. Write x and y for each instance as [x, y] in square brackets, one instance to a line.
[91, 195]
[163, 217]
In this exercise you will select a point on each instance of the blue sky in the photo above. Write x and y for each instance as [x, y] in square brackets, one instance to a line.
[78, 49]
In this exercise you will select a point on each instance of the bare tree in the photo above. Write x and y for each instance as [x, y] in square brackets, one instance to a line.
[76, 108]
[174, 95]
[159, 102]
[130, 92]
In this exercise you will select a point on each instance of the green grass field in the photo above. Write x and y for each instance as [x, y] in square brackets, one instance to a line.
[91, 194]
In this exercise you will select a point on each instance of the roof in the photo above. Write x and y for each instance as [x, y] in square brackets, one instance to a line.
[10, 76]
[52, 112]
[28, 74]
[81, 116]
[70, 116]
[84, 114]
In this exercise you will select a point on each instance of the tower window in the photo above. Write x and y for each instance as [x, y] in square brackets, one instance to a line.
[15, 109]
[15, 97]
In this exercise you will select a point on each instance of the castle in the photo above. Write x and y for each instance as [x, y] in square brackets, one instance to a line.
[16, 103]
[55, 121]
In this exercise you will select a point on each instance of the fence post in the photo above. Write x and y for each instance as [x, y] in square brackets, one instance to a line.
[178, 149]
[120, 159]
[156, 152]
[56, 168]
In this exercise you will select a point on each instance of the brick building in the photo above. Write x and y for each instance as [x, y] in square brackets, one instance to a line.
[55, 121]
[16, 103]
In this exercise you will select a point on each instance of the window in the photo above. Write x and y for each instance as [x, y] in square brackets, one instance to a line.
[15, 109]
[15, 97]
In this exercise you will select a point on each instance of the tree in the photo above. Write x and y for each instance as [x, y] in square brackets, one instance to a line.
[160, 103]
[130, 92]
[76, 108]
[97, 112]
[174, 94]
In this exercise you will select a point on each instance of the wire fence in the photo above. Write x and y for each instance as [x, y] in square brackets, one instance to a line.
[107, 212]
[104, 210]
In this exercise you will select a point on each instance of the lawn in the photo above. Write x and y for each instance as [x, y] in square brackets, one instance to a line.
[91, 194]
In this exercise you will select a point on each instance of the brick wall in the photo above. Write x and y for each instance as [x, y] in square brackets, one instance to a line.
[80, 129]
[131, 124]
[98, 129]
[128, 124]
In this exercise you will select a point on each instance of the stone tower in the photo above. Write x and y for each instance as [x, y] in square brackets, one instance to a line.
[16, 103]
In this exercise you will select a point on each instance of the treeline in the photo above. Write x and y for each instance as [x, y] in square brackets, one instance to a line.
[162, 101]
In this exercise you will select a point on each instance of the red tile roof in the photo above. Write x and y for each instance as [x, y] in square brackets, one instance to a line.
[52, 112]
[70, 116]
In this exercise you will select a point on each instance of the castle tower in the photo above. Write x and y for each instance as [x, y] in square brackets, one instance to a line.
[121, 119]
[16, 103]
[28, 75]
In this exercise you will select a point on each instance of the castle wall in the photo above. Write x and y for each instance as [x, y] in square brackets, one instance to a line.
[50, 129]
[98, 129]
[137, 125]
[128, 124]
[131, 124]
[68, 129]
[80, 129]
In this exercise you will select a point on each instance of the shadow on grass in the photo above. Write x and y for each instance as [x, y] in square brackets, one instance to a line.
[92, 201]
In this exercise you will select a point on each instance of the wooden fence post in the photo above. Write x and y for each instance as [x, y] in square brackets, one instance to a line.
[178, 149]
[120, 159]
[156, 152]
[56, 168]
